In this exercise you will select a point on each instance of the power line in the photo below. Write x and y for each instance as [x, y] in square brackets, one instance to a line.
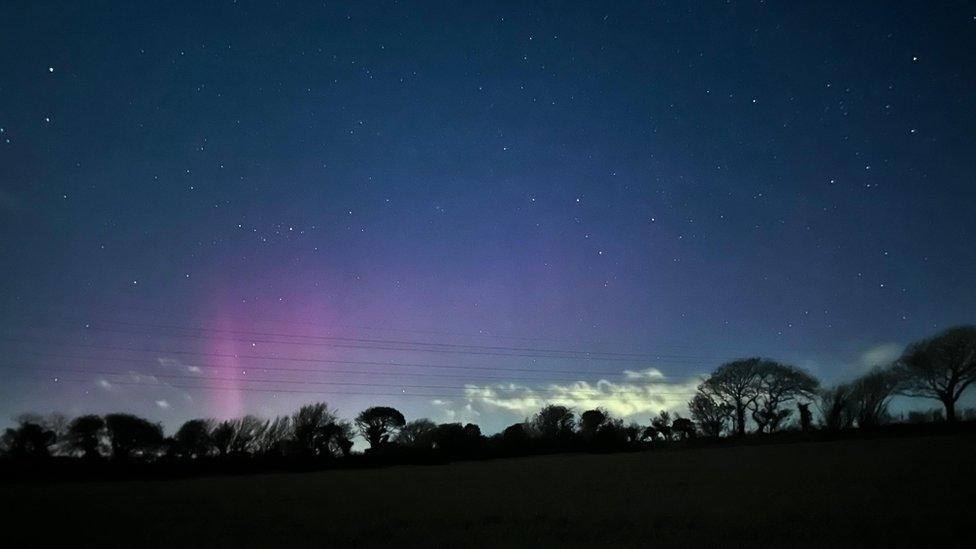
[303, 359]
[266, 368]
[434, 348]
[296, 382]
[261, 390]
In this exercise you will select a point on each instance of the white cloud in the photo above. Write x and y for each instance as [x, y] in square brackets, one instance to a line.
[175, 363]
[162, 404]
[879, 355]
[649, 373]
[643, 393]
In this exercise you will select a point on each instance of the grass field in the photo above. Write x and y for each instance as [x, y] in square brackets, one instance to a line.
[894, 492]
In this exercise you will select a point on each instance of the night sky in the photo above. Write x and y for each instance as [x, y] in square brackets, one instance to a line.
[466, 211]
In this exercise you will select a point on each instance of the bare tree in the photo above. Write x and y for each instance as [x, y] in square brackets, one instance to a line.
[711, 414]
[835, 407]
[248, 432]
[776, 385]
[317, 431]
[735, 384]
[940, 368]
[275, 435]
[870, 395]
[417, 434]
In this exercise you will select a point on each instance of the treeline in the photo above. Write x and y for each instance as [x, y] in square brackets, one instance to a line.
[752, 397]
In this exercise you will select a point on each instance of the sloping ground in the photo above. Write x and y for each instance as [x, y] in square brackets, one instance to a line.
[895, 492]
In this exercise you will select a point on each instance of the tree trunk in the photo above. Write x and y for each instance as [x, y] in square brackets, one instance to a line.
[950, 409]
[740, 419]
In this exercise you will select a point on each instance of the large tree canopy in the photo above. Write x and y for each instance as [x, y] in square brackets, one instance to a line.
[940, 368]
[379, 423]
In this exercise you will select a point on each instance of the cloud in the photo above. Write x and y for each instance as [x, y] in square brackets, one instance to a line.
[642, 393]
[177, 364]
[880, 355]
[650, 373]
[162, 403]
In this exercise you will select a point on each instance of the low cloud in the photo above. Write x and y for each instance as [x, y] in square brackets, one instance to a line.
[881, 355]
[162, 403]
[642, 393]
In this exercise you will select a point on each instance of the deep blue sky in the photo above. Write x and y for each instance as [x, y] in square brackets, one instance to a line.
[686, 184]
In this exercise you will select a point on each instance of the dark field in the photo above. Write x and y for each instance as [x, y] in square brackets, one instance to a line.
[898, 491]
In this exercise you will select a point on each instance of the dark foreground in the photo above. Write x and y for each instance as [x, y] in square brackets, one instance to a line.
[916, 491]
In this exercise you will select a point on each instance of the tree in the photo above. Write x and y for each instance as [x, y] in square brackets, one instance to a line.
[132, 436]
[317, 431]
[683, 428]
[275, 436]
[193, 439]
[735, 384]
[554, 422]
[30, 440]
[455, 439]
[806, 417]
[710, 414]
[222, 436]
[591, 421]
[248, 432]
[835, 407]
[417, 434]
[775, 385]
[515, 435]
[378, 424]
[940, 368]
[85, 435]
[870, 395]
[662, 424]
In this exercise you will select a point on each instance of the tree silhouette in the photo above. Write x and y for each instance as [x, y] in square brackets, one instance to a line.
[248, 434]
[417, 434]
[806, 417]
[85, 435]
[30, 440]
[662, 424]
[710, 414]
[193, 439]
[775, 385]
[835, 407]
[378, 424]
[870, 395]
[222, 436]
[132, 436]
[591, 421]
[455, 439]
[515, 436]
[735, 384]
[940, 368]
[650, 433]
[275, 436]
[683, 428]
[317, 431]
[554, 422]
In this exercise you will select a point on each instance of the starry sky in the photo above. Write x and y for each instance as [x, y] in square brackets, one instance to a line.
[466, 210]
